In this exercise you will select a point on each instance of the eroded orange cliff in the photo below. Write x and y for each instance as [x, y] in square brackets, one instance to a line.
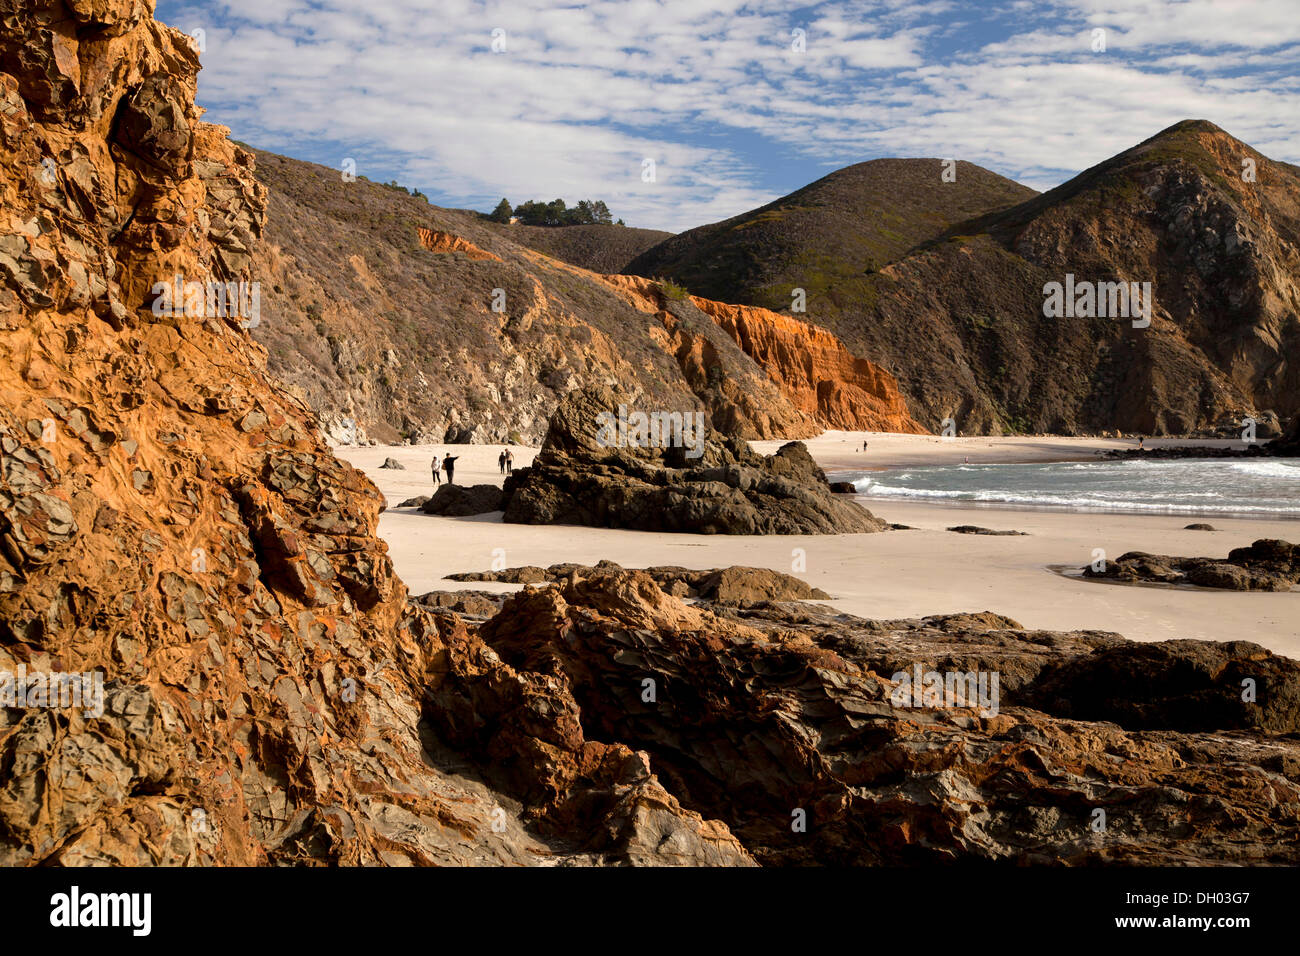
[813, 369]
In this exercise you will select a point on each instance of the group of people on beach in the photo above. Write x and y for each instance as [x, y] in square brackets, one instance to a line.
[448, 464]
[506, 462]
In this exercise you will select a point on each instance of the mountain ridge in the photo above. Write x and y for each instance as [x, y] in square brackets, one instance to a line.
[958, 317]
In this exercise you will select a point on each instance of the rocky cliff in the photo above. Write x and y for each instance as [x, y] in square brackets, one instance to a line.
[173, 527]
[812, 366]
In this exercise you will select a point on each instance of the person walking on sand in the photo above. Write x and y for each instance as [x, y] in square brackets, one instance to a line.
[510, 463]
[501, 461]
[437, 473]
[449, 466]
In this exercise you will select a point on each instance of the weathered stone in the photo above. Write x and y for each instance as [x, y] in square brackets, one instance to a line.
[1267, 565]
[725, 489]
[462, 500]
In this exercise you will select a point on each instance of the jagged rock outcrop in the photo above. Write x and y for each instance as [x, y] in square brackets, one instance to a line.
[813, 367]
[1266, 565]
[786, 722]
[173, 527]
[583, 476]
[744, 396]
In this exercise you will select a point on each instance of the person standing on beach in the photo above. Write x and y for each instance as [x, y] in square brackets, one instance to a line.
[449, 465]
[510, 463]
[501, 461]
[437, 473]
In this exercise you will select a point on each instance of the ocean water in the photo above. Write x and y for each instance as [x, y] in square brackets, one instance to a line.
[1264, 488]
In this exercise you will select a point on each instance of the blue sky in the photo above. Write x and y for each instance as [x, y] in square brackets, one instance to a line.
[733, 106]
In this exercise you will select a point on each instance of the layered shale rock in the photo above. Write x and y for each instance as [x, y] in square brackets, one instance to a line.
[814, 368]
[436, 241]
[584, 476]
[173, 527]
[1266, 565]
[787, 723]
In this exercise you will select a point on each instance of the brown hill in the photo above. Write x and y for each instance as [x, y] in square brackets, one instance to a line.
[378, 307]
[845, 225]
[959, 318]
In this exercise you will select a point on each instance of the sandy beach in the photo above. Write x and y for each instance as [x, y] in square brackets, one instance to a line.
[895, 574]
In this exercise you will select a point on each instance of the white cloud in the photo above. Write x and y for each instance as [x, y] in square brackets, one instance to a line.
[584, 92]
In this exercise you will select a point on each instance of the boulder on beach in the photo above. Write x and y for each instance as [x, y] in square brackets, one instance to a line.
[458, 501]
[393, 463]
[715, 486]
[1266, 565]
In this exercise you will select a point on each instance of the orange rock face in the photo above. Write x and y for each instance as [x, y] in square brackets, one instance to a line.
[812, 366]
[813, 369]
[436, 241]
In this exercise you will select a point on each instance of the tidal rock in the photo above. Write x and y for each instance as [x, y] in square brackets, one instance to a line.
[975, 529]
[1266, 565]
[581, 477]
[462, 500]
[393, 463]
[777, 712]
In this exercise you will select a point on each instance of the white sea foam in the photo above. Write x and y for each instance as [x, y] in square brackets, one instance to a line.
[1182, 486]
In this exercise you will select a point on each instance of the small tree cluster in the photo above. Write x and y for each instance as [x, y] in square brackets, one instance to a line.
[554, 213]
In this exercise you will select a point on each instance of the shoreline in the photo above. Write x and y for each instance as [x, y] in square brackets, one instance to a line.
[889, 575]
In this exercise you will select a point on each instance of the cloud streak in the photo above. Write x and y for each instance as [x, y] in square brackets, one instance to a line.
[736, 101]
